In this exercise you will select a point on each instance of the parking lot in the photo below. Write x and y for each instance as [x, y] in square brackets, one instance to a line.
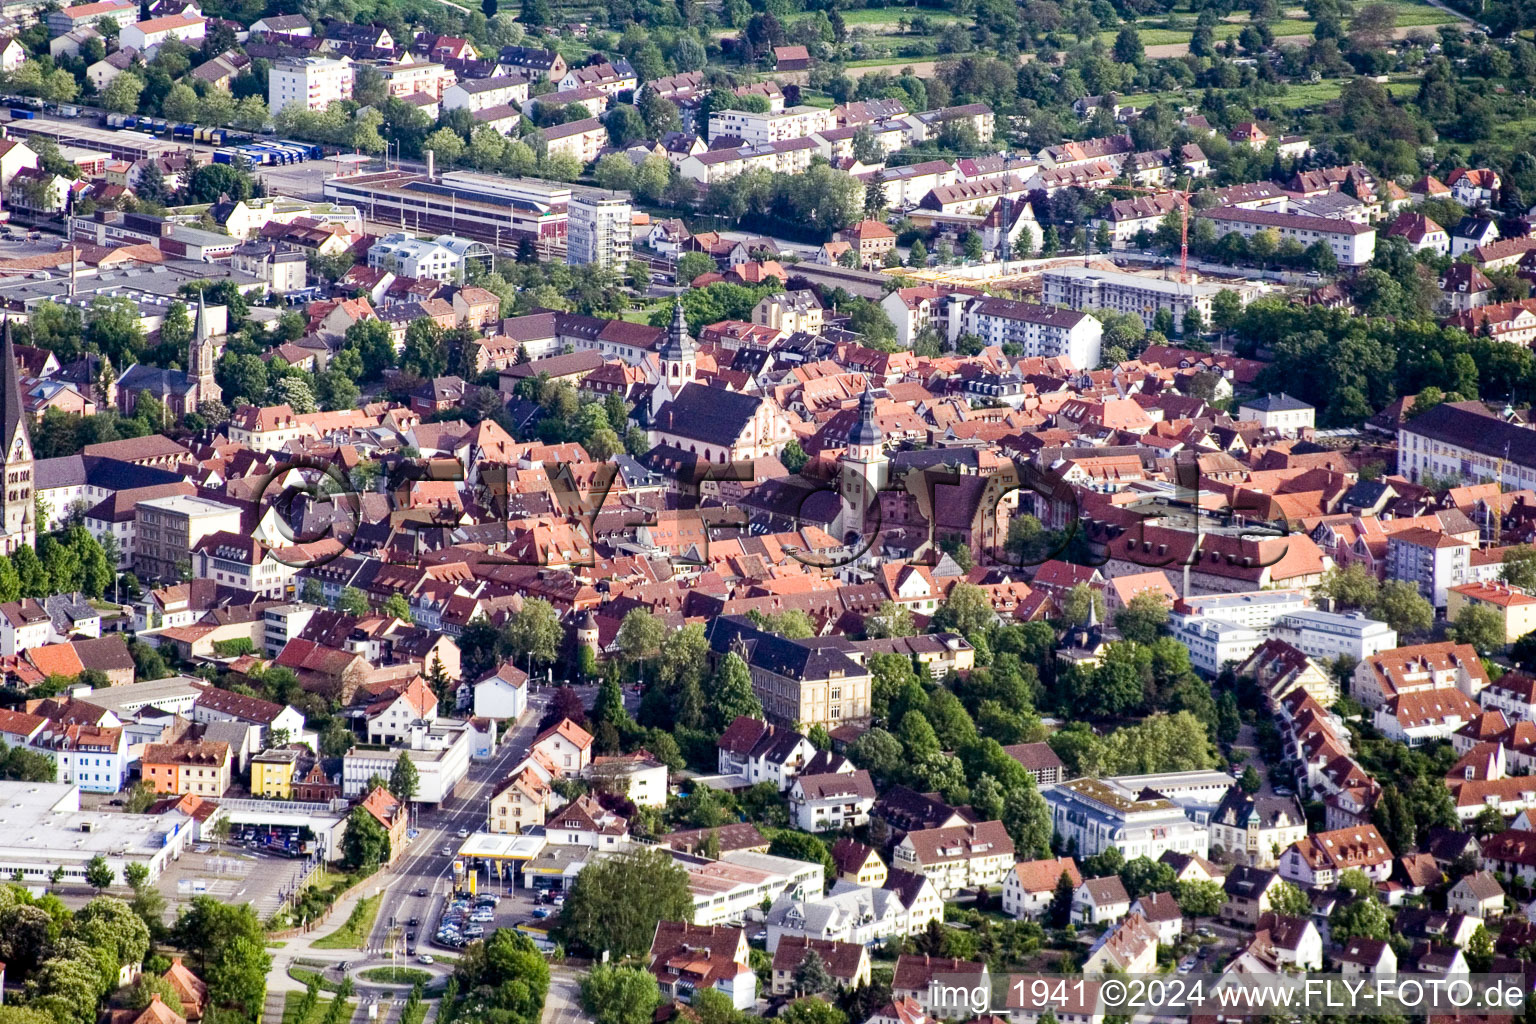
[460, 918]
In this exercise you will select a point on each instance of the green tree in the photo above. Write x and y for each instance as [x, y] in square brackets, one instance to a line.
[731, 694]
[534, 632]
[99, 874]
[122, 94]
[397, 606]
[1519, 567]
[793, 456]
[1349, 587]
[353, 601]
[1480, 951]
[620, 995]
[616, 902]
[1285, 898]
[1480, 626]
[404, 779]
[917, 257]
[966, 611]
[1143, 619]
[1198, 897]
[1400, 605]
[1060, 911]
[365, 844]
[811, 977]
[1362, 917]
[812, 1010]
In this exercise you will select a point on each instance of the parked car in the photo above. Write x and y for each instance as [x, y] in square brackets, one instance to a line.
[541, 912]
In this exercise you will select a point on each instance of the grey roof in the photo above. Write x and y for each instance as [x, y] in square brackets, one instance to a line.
[11, 411]
[1275, 403]
[795, 659]
[704, 413]
[1031, 312]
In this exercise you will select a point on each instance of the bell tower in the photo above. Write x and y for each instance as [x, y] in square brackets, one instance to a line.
[19, 514]
[863, 468]
[200, 357]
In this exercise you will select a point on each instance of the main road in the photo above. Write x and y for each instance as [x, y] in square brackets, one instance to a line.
[425, 867]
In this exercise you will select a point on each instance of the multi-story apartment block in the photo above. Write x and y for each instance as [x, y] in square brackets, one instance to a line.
[1098, 814]
[481, 93]
[123, 12]
[237, 560]
[441, 258]
[1047, 331]
[313, 83]
[1084, 288]
[1351, 244]
[582, 140]
[167, 530]
[1432, 561]
[599, 230]
[1329, 635]
[147, 36]
[196, 767]
[790, 156]
[960, 857]
[1463, 440]
[754, 128]
[417, 77]
[440, 752]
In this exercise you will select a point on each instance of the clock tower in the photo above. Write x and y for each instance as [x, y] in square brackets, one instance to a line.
[863, 470]
[19, 524]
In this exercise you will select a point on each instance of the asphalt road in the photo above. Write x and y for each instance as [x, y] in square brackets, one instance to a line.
[425, 866]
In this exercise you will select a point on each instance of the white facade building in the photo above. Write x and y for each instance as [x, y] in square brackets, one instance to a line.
[1327, 635]
[1041, 330]
[312, 82]
[755, 128]
[1100, 813]
[440, 752]
[598, 231]
[1351, 244]
[1085, 288]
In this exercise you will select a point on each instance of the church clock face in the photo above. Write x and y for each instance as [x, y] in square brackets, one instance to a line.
[19, 454]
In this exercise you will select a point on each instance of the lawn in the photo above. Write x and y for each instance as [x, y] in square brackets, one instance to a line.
[354, 933]
[302, 975]
[398, 976]
[291, 1003]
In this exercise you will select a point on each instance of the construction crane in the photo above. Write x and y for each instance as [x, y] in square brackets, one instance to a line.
[1183, 219]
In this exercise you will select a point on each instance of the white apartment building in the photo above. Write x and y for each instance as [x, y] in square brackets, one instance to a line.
[441, 258]
[755, 128]
[482, 93]
[1434, 562]
[1098, 813]
[146, 36]
[1352, 244]
[1259, 609]
[439, 751]
[1084, 288]
[1041, 330]
[312, 82]
[1328, 635]
[1212, 643]
[408, 78]
[791, 156]
[598, 230]
[580, 139]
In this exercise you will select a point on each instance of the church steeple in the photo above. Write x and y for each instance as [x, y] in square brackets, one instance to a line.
[18, 519]
[200, 356]
[679, 354]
